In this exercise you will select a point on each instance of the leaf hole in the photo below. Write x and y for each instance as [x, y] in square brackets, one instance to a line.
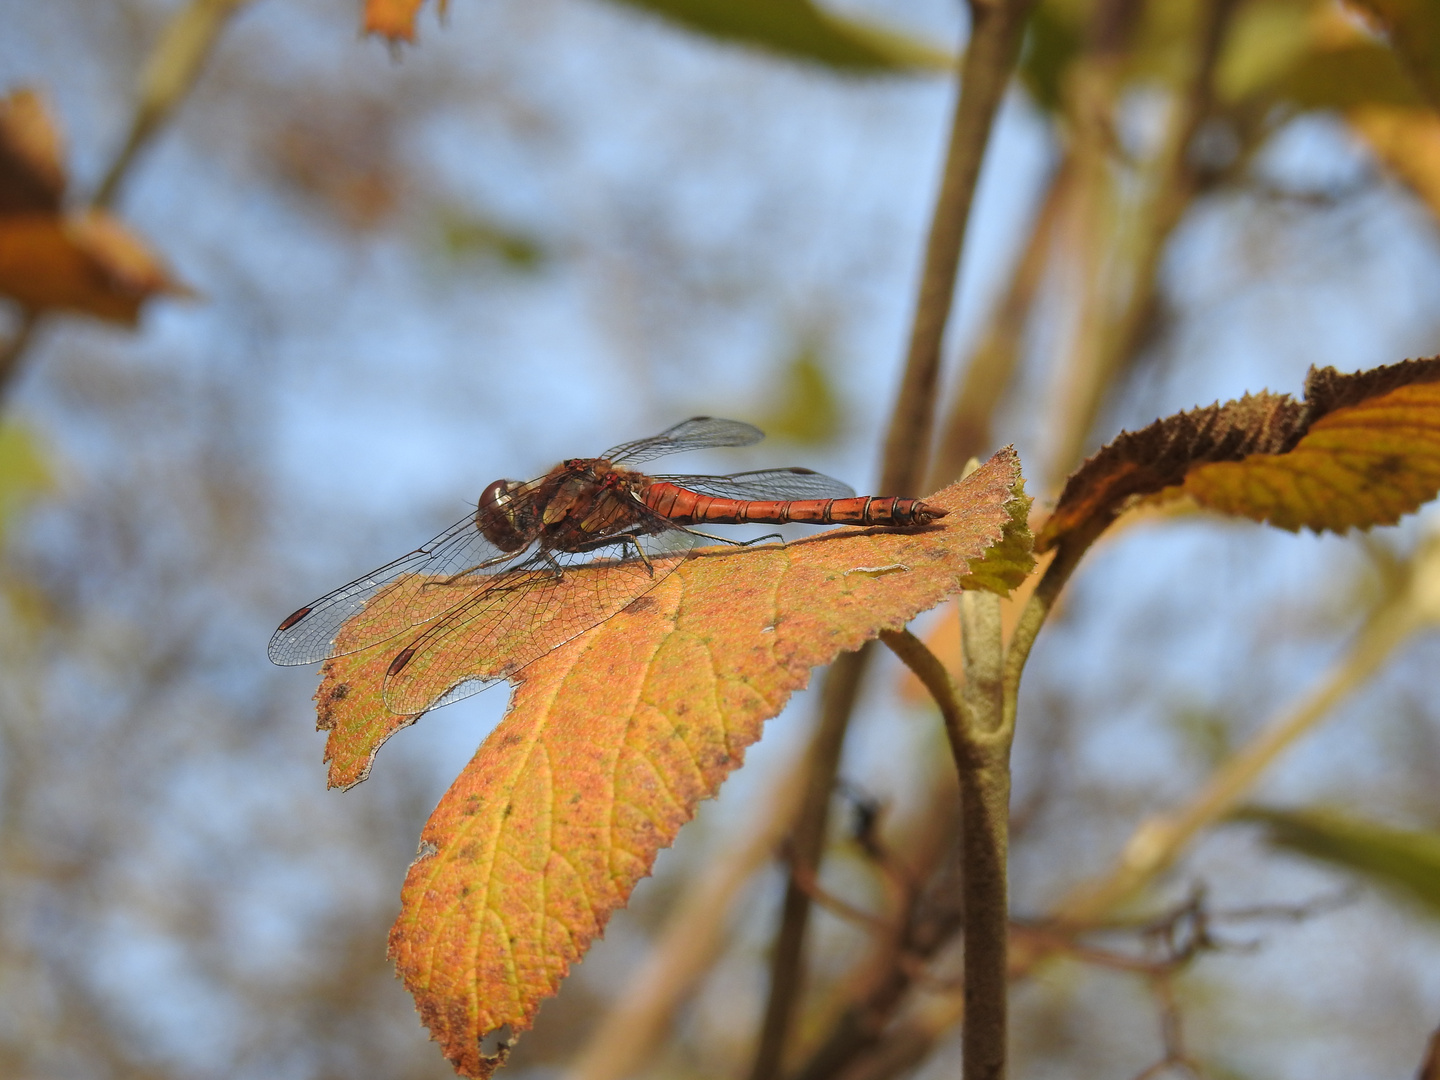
[495, 1045]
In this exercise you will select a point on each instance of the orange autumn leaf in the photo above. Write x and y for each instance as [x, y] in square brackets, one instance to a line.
[88, 263]
[612, 739]
[84, 261]
[1362, 449]
[394, 19]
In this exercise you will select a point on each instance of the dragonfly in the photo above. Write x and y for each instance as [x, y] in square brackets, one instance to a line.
[539, 562]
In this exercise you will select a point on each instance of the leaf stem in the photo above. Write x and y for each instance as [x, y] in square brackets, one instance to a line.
[1037, 609]
[980, 740]
[170, 71]
[985, 835]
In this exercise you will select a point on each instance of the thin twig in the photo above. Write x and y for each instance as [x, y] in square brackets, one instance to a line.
[170, 72]
[997, 27]
[838, 694]
[14, 349]
[1109, 340]
[992, 366]
[839, 907]
[1430, 1067]
[929, 918]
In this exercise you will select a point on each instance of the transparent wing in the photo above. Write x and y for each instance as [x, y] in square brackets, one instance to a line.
[697, 433]
[315, 631]
[766, 485]
[518, 616]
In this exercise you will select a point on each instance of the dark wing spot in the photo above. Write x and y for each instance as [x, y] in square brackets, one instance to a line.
[398, 664]
[293, 619]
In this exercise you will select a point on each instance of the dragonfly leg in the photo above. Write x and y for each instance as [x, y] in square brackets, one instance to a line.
[640, 551]
[494, 561]
[736, 543]
[633, 539]
[761, 539]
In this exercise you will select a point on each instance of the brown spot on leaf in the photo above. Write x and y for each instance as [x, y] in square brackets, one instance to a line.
[640, 605]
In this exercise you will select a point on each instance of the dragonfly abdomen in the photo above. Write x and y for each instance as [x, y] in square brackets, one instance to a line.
[685, 507]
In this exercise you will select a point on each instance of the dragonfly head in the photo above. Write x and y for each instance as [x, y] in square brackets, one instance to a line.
[501, 517]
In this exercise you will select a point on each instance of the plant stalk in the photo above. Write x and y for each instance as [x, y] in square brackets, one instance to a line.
[807, 845]
[980, 741]
[997, 27]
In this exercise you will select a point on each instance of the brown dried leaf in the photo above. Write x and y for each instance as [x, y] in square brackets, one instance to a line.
[32, 169]
[89, 263]
[1361, 450]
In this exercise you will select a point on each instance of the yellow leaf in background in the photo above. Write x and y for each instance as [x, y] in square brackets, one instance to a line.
[798, 29]
[1265, 41]
[1413, 28]
[1406, 861]
[24, 473]
[804, 406]
[1407, 142]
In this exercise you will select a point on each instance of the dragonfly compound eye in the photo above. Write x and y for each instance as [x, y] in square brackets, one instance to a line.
[498, 517]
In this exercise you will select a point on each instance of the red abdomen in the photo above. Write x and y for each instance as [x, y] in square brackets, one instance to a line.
[685, 507]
